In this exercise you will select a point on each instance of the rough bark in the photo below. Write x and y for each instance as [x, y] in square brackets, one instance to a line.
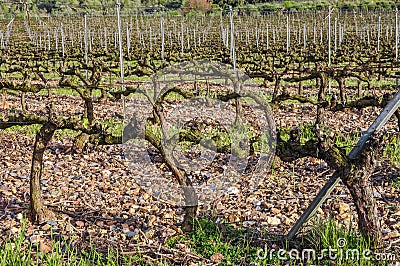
[80, 142]
[38, 212]
[357, 181]
[359, 88]
[359, 104]
[23, 103]
[191, 200]
[276, 87]
[300, 89]
[103, 96]
[317, 83]
[321, 99]
[342, 89]
[294, 97]
[190, 209]
[89, 109]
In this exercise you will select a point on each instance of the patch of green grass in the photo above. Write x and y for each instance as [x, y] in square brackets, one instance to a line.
[65, 133]
[346, 142]
[392, 150]
[238, 246]
[58, 91]
[374, 83]
[209, 238]
[235, 246]
[112, 126]
[396, 183]
[347, 246]
[19, 251]
[67, 91]
[31, 130]
[28, 130]
[173, 96]
[18, 254]
[392, 207]
[306, 132]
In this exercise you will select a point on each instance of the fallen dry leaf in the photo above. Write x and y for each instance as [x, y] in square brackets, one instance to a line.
[217, 257]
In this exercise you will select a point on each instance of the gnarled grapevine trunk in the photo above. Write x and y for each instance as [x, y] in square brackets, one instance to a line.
[190, 196]
[359, 185]
[103, 96]
[276, 87]
[321, 98]
[359, 88]
[300, 88]
[23, 103]
[361, 191]
[191, 202]
[342, 87]
[80, 142]
[38, 212]
[354, 173]
[89, 109]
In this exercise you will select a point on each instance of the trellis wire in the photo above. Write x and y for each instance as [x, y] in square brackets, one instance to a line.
[387, 32]
[151, 38]
[355, 23]
[9, 29]
[267, 37]
[56, 38]
[182, 37]
[48, 40]
[28, 30]
[86, 43]
[121, 56]
[162, 38]
[321, 34]
[336, 20]
[274, 36]
[233, 50]
[315, 34]
[62, 40]
[397, 44]
[222, 30]
[194, 38]
[105, 38]
[128, 38]
[379, 32]
[287, 34]
[188, 38]
[1, 40]
[329, 37]
[257, 38]
[329, 46]
[397, 35]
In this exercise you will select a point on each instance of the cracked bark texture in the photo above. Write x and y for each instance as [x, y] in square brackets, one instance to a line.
[38, 212]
